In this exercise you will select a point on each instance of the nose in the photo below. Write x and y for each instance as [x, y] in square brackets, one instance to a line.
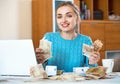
[64, 19]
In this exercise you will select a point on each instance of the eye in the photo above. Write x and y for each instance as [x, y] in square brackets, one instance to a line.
[59, 16]
[69, 15]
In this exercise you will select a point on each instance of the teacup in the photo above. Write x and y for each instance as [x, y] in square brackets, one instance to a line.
[109, 63]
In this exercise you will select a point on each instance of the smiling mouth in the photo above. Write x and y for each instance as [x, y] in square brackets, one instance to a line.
[65, 25]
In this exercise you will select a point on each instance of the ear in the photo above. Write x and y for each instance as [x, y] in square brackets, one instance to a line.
[77, 24]
[78, 19]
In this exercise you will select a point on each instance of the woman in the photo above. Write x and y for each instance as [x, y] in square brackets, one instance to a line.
[67, 44]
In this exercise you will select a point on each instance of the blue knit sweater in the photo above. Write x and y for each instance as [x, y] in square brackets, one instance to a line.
[67, 54]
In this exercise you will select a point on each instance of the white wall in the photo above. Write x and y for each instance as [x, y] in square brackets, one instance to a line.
[15, 19]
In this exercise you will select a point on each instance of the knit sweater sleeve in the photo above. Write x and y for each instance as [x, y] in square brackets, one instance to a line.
[47, 36]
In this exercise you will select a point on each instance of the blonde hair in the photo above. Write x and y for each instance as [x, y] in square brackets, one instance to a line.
[72, 5]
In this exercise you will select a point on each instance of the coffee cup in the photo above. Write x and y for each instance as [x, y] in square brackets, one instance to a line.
[109, 63]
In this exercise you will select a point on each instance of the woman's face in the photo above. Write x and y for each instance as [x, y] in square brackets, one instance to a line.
[66, 18]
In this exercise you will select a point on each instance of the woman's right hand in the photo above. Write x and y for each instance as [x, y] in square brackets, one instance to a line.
[40, 55]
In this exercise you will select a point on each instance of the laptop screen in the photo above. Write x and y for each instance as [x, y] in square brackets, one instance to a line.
[16, 57]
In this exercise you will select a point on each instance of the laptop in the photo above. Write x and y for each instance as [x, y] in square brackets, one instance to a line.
[16, 57]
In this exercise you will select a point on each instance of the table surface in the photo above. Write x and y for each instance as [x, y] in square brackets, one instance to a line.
[29, 80]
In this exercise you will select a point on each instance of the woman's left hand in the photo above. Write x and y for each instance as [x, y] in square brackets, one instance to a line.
[94, 58]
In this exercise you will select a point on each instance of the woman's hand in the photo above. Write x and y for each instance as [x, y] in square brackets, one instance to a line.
[94, 58]
[40, 55]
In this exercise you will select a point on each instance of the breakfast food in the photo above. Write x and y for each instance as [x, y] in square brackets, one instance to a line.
[38, 71]
[96, 72]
